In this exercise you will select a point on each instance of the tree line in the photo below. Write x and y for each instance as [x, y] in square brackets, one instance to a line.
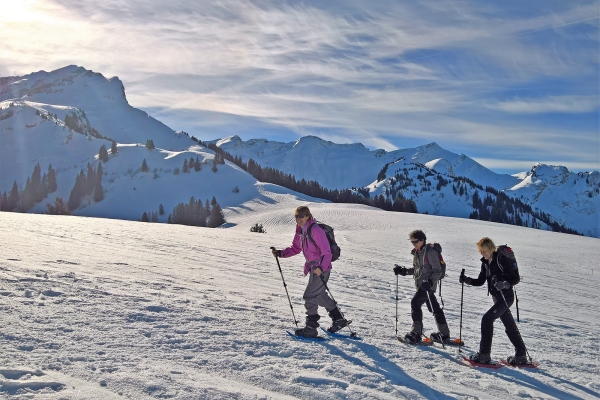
[36, 189]
[313, 188]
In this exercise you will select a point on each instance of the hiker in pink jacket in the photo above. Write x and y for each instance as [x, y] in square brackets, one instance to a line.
[317, 255]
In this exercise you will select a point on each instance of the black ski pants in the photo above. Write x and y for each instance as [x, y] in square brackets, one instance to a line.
[501, 310]
[421, 298]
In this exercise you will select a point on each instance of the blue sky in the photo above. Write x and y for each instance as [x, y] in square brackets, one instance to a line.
[507, 83]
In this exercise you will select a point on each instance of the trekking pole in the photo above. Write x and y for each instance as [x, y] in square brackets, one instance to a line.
[431, 309]
[352, 333]
[396, 305]
[518, 331]
[285, 287]
[462, 291]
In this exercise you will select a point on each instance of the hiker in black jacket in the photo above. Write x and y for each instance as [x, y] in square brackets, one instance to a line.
[492, 272]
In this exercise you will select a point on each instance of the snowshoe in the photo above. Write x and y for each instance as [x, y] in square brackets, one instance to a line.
[338, 324]
[307, 332]
[412, 338]
[304, 338]
[489, 364]
[437, 337]
[352, 335]
[519, 362]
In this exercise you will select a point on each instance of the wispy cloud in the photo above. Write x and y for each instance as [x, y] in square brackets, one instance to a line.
[551, 104]
[379, 73]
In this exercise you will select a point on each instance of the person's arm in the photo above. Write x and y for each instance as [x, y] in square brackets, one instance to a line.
[480, 279]
[294, 249]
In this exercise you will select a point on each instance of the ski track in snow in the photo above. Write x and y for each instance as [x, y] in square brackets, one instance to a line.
[98, 308]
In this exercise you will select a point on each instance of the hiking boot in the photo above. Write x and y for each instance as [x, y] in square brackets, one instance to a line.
[480, 358]
[517, 360]
[413, 337]
[307, 332]
[338, 321]
[438, 337]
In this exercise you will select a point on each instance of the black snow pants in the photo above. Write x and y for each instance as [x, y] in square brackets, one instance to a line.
[500, 310]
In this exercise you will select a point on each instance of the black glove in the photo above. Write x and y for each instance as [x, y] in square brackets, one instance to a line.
[502, 285]
[464, 279]
[276, 253]
[400, 270]
[426, 285]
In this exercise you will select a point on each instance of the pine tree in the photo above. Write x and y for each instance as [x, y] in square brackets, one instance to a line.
[98, 189]
[161, 210]
[197, 165]
[113, 148]
[150, 144]
[51, 179]
[14, 198]
[144, 166]
[216, 216]
[186, 168]
[145, 218]
[103, 154]
[78, 191]
[59, 207]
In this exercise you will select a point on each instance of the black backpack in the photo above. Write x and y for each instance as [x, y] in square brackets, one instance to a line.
[335, 249]
[508, 264]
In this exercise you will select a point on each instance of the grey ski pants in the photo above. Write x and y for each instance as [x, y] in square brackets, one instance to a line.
[315, 295]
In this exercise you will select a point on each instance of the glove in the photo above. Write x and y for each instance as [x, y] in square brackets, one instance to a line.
[464, 279]
[425, 286]
[276, 253]
[502, 285]
[400, 270]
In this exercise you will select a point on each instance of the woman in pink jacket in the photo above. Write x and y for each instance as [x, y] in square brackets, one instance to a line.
[310, 239]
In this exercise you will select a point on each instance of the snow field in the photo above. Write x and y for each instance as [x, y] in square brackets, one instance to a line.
[98, 308]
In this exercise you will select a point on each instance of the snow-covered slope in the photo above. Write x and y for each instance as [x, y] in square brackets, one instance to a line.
[572, 198]
[109, 309]
[341, 166]
[102, 100]
[438, 181]
[62, 118]
[33, 111]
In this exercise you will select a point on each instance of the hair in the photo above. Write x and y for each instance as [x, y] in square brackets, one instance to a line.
[303, 210]
[417, 234]
[486, 243]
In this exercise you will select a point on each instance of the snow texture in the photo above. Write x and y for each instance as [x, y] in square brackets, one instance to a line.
[109, 309]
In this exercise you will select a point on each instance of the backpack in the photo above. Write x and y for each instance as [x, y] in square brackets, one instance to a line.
[508, 264]
[335, 249]
[438, 249]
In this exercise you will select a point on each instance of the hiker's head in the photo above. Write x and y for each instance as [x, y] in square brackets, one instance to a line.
[302, 215]
[486, 247]
[417, 238]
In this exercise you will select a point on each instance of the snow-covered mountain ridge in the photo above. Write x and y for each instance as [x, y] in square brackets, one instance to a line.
[63, 118]
[439, 181]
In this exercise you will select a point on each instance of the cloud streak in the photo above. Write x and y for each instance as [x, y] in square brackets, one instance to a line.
[383, 74]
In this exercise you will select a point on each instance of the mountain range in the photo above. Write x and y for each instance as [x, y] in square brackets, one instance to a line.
[64, 117]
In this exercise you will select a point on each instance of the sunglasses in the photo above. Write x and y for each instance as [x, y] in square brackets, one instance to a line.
[415, 241]
[299, 216]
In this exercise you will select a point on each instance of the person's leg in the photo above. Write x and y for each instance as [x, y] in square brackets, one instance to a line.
[313, 289]
[487, 325]
[440, 318]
